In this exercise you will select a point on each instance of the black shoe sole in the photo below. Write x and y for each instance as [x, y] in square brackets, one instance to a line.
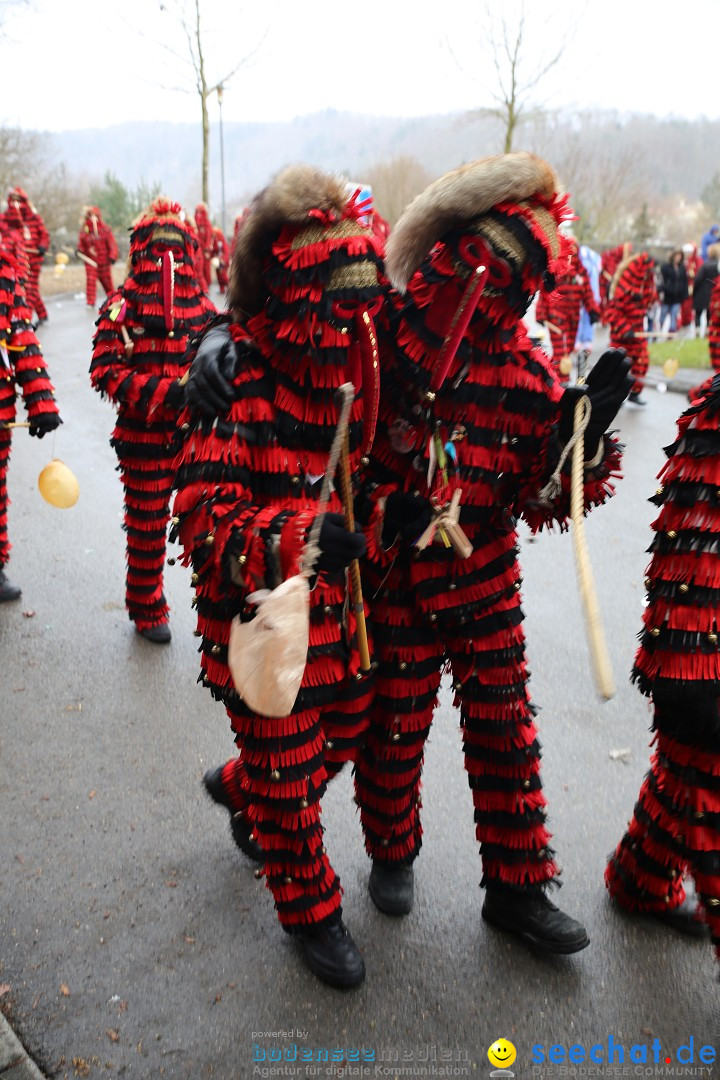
[543, 945]
[388, 908]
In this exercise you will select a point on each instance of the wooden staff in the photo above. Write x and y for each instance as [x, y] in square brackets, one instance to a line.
[86, 259]
[14, 423]
[354, 568]
[596, 637]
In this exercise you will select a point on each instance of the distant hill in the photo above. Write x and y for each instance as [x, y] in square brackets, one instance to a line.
[669, 157]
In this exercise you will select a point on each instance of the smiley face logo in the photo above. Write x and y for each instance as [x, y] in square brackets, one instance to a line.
[502, 1053]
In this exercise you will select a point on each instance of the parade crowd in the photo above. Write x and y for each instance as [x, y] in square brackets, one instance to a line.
[460, 424]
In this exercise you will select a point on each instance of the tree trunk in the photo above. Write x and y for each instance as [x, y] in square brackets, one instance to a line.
[205, 149]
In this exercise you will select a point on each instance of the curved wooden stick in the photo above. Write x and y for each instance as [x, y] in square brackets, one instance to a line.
[354, 568]
[596, 638]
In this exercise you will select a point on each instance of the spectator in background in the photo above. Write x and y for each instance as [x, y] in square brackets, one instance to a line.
[592, 261]
[704, 280]
[712, 236]
[674, 289]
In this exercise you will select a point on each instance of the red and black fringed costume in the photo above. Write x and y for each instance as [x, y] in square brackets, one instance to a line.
[609, 262]
[22, 368]
[138, 360]
[220, 258]
[98, 251]
[713, 327]
[632, 292]
[204, 228]
[303, 289]
[22, 218]
[675, 827]
[560, 309]
[469, 405]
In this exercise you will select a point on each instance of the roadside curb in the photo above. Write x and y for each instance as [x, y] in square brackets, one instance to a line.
[15, 1062]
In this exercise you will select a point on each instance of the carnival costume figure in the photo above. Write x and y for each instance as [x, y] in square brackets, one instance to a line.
[138, 363]
[220, 258]
[632, 293]
[98, 250]
[22, 218]
[303, 292]
[472, 424]
[204, 228]
[560, 309]
[675, 828]
[22, 368]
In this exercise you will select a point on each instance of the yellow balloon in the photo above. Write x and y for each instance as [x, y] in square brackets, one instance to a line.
[62, 259]
[670, 367]
[565, 365]
[58, 485]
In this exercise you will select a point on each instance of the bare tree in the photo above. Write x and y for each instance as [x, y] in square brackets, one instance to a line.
[187, 15]
[607, 183]
[394, 183]
[518, 64]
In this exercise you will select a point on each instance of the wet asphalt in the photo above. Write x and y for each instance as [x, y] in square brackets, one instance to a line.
[133, 936]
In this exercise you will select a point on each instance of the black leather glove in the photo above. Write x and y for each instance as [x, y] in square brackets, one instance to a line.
[44, 422]
[593, 316]
[41, 250]
[209, 386]
[407, 516]
[607, 386]
[338, 547]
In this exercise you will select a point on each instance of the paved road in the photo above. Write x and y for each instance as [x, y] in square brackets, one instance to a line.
[133, 936]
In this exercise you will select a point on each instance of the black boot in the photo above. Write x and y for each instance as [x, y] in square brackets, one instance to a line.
[686, 918]
[534, 918]
[8, 591]
[331, 953]
[240, 827]
[392, 887]
[634, 397]
[159, 635]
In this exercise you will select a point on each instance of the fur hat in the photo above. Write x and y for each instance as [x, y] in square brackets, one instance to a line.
[301, 239]
[510, 201]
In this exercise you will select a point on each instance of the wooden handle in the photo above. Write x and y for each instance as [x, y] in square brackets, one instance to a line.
[596, 637]
[354, 568]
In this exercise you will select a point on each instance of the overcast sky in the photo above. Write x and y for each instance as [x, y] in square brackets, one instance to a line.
[83, 63]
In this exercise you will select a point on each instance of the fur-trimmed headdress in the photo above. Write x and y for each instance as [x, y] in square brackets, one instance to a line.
[305, 282]
[510, 200]
[301, 236]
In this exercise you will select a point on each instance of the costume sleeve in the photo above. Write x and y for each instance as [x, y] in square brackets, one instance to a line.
[235, 544]
[539, 450]
[113, 374]
[43, 236]
[542, 313]
[23, 347]
[112, 248]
